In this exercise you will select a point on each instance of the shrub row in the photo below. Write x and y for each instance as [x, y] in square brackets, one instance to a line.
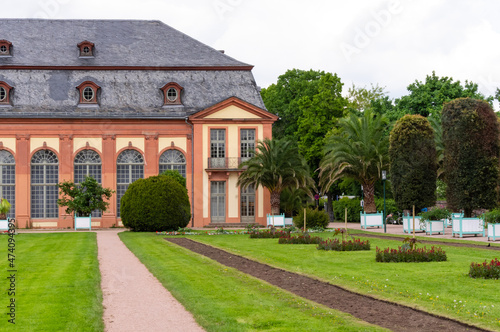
[301, 239]
[410, 255]
[351, 245]
[485, 270]
[268, 234]
[314, 218]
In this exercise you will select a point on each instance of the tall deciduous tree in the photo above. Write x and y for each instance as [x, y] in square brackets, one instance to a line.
[470, 137]
[412, 153]
[359, 151]
[276, 165]
[429, 96]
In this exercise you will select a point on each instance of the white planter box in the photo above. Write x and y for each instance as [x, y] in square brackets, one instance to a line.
[435, 226]
[408, 224]
[83, 223]
[493, 231]
[277, 220]
[371, 219]
[468, 226]
[288, 221]
[4, 225]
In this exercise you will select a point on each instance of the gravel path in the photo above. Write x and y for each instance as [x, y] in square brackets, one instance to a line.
[133, 299]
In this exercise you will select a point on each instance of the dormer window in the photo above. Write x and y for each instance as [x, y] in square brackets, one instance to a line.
[86, 49]
[88, 92]
[5, 93]
[5, 48]
[172, 94]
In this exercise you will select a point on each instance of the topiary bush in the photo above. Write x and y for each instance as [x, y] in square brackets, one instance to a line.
[470, 138]
[314, 218]
[353, 209]
[158, 203]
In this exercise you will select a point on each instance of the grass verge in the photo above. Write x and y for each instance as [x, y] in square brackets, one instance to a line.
[57, 285]
[224, 299]
[443, 288]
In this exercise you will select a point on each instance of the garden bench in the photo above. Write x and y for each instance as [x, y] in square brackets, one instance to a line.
[371, 219]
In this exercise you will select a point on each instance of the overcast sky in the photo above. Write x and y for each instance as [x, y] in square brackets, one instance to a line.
[390, 43]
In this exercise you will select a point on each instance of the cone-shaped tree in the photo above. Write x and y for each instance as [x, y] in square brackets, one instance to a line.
[413, 172]
[276, 165]
[358, 151]
[471, 148]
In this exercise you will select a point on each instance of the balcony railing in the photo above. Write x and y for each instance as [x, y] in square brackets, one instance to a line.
[225, 163]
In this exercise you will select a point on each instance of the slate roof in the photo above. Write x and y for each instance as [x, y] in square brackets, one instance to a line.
[48, 90]
[117, 43]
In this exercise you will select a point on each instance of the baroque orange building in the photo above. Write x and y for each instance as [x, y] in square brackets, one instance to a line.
[123, 100]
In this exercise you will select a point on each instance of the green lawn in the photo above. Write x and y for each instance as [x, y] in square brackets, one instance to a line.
[57, 283]
[223, 299]
[443, 288]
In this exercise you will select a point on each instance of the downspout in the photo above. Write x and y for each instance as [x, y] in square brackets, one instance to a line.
[192, 171]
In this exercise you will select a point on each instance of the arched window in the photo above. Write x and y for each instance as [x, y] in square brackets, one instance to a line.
[8, 180]
[173, 160]
[129, 167]
[88, 163]
[44, 180]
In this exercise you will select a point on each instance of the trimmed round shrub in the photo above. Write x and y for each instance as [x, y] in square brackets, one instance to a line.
[158, 203]
[314, 218]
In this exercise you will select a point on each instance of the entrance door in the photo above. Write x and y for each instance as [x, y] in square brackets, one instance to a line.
[247, 207]
[218, 201]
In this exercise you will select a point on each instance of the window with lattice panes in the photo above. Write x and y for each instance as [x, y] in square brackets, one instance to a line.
[173, 160]
[217, 148]
[88, 163]
[44, 189]
[129, 167]
[8, 180]
[247, 143]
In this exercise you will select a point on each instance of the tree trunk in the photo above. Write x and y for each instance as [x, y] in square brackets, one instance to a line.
[329, 206]
[369, 198]
[275, 202]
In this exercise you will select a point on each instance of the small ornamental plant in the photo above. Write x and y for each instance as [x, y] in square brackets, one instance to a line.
[4, 208]
[436, 214]
[492, 217]
[301, 239]
[268, 234]
[485, 270]
[351, 245]
[409, 253]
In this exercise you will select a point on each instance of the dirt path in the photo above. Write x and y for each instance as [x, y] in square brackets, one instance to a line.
[133, 299]
[389, 315]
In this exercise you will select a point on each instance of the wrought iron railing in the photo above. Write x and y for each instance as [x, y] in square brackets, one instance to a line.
[225, 163]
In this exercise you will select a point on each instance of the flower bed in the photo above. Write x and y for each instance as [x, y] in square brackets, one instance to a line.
[403, 254]
[301, 239]
[485, 270]
[351, 245]
[268, 234]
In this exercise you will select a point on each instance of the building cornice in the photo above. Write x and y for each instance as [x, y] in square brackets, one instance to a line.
[144, 68]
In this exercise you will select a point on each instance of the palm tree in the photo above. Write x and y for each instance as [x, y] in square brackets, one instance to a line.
[276, 165]
[360, 152]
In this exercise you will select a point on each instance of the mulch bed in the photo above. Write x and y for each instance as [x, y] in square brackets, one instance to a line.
[378, 312]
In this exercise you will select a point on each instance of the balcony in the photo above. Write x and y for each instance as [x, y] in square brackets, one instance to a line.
[225, 163]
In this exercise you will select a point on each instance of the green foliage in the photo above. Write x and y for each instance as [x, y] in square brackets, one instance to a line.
[492, 216]
[429, 97]
[413, 162]
[435, 214]
[292, 200]
[362, 98]
[337, 245]
[85, 197]
[440, 190]
[390, 206]
[300, 239]
[175, 175]
[276, 165]
[470, 137]
[401, 255]
[353, 209]
[157, 203]
[485, 270]
[358, 151]
[269, 234]
[314, 218]
[4, 208]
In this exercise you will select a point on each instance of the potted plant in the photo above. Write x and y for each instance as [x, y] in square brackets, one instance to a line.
[82, 199]
[492, 220]
[435, 220]
[4, 209]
